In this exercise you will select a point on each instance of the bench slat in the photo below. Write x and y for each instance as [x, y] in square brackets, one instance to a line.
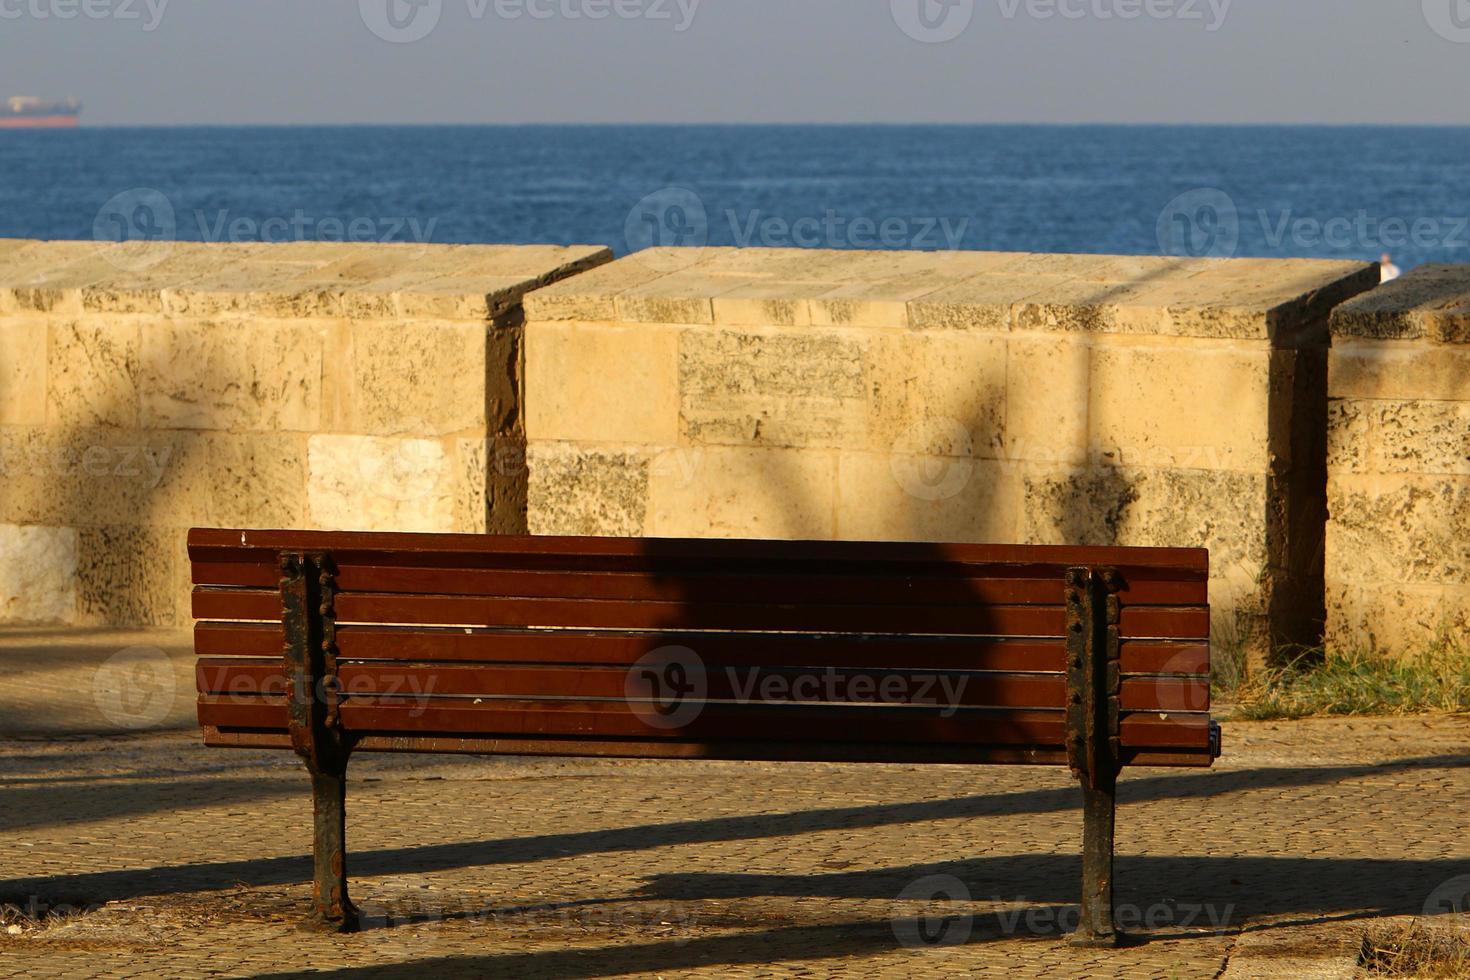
[961, 689]
[696, 555]
[438, 645]
[1163, 622]
[909, 724]
[836, 588]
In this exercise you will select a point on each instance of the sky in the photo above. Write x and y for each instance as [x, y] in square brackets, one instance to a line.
[170, 62]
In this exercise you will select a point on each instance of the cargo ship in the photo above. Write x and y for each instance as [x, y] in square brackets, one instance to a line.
[25, 112]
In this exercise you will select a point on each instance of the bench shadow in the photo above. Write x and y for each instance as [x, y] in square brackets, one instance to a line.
[1055, 876]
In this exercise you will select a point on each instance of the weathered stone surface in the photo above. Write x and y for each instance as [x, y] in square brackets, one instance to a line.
[22, 371]
[1429, 303]
[597, 492]
[602, 384]
[73, 477]
[128, 574]
[38, 578]
[414, 379]
[924, 389]
[92, 373]
[365, 483]
[258, 480]
[292, 280]
[1399, 529]
[1428, 437]
[1396, 619]
[233, 375]
[1106, 505]
[774, 389]
[778, 494]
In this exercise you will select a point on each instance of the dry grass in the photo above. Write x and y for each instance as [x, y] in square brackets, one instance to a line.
[1436, 681]
[1414, 951]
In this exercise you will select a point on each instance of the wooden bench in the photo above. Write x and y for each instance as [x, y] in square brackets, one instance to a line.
[330, 643]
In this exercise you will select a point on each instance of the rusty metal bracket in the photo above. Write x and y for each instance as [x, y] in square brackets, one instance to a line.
[314, 702]
[1094, 677]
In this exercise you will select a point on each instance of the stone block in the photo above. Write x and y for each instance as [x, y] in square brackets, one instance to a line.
[797, 388]
[259, 480]
[906, 497]
[1104, 505]
[1048, 384]
[1430, 303]
[38, 578]
[415, 378]
[1400, 371]
[1181, 406]
[936, 393]
[1421, 436]
[602, 383]
[231, 375]
[22, 370]
[1398, 529]
[367, 483]
[1396, 619]
[128, 575]
[593, 491]
[723, 492]
[983, 303]
[72, 477]
[92, 373]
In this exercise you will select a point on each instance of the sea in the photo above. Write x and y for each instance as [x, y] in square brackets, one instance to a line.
[1320, 192]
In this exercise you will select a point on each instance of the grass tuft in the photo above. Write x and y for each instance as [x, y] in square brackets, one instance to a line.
[1414, 951]
[1359, 683]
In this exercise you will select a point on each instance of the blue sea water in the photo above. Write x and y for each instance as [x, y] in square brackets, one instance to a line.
[1266, 191]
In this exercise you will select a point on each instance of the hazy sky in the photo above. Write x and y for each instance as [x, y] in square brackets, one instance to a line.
[485, 61]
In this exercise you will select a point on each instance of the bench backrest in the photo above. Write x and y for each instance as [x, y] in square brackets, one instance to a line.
[708, 649]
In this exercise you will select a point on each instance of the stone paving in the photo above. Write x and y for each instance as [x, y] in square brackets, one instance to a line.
[151, 856]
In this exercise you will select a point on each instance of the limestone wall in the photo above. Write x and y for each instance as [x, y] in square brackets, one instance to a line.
[149, 387]
[955, 396]
[1398, 568]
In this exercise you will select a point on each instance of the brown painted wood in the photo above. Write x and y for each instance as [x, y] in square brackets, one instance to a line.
[714, 722]
[1042, 586]
[354, 547]
[723, 683]
[431, 645]
[1020, 621]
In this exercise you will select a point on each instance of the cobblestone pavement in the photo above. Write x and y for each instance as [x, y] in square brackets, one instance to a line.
[149, 855]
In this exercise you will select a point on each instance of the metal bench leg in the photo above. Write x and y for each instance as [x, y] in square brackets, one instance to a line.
[331, 909]
[308, 592]
[1096, 926]
[1093, 683]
